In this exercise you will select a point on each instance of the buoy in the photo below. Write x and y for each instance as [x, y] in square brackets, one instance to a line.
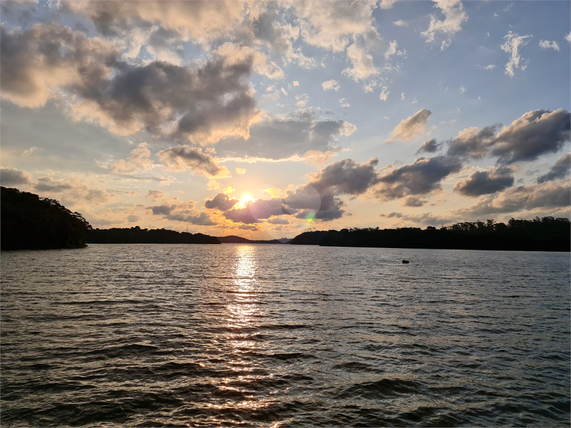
[405, 261]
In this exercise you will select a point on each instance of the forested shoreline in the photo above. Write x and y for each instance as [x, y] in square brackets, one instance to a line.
[136, 235]
[539, 234]
[32, 222]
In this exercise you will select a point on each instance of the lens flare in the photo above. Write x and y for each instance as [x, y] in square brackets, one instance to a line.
[310, 218]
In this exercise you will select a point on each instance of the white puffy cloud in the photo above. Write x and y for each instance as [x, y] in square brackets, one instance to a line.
[362, 66]
[411, 127]
[454, 17]
[332, 25]
[393, 51]
[138, 160]
[330, 85]
[546, 44]
[512, 46]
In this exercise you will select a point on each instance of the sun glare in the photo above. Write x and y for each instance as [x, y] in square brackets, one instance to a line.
[245, 200]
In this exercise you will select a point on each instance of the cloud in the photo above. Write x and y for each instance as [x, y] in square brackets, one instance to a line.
[472, 142]
[362, 66]
[384, 95]
[523, 198]
[346, 177]
[414, 202]
[48, 184]
[12, 177]
[546, 44]
[568, 37]
[50, 56]
[321, 195]
[393, 51]
[330, 85]
[419, 178]
[203, 102]
[488, 67]
[221, 202]
[427, 219]
[138, 160]
[234, 54]
[401, 23]
[485, 182]
[527, 138]
[512, 45]
[203, 21]
[535, 133]
[300, 135]
[180, 158]
[256, 211]
[454, 17]
[411, 127]
[332, 25]
[240, 171]
[387, 4]
[559, 170]
[183, 212]
[429, 146]
[156, 194]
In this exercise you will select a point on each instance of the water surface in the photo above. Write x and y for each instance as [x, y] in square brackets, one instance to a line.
[269, 335]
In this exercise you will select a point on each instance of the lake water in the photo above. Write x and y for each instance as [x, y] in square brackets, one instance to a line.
[268, 335]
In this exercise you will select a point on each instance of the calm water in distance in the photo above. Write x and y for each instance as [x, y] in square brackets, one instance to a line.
[270, 335]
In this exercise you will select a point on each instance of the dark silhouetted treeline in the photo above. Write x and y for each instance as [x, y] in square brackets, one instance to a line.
[539, 234]
[136, 235]
[233, 239]
[30, 222]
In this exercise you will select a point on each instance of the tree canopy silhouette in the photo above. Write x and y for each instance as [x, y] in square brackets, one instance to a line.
[32, 222]
[539, 234]
[136, 235]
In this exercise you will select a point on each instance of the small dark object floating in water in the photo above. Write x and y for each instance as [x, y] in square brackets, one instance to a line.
[405, 261]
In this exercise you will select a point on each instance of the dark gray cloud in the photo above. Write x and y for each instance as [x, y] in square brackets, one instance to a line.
[48, 184]
[559, 170]
[221, 202]
[320, 197]
[203, 103]
[12, 177]
[429, 146]
[552, 195]
[414, 202]
[485, 182]
[419, 178]
[256, 211]
[185, 157]
[282, 138]
[347, 177]
[183, 213]
[50, 56]
[532, 135]
[322, 194]
[472, 143]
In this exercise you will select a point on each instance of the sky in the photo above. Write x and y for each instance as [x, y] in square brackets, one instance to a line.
[266, 119]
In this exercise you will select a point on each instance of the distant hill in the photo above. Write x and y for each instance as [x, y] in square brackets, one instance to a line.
[539, 234]
[233, 239]
[31, 222]
[136, 235]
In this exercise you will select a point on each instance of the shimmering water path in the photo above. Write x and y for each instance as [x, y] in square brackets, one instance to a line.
[237, 335]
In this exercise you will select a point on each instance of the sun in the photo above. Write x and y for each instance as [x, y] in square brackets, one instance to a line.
[245, 200]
